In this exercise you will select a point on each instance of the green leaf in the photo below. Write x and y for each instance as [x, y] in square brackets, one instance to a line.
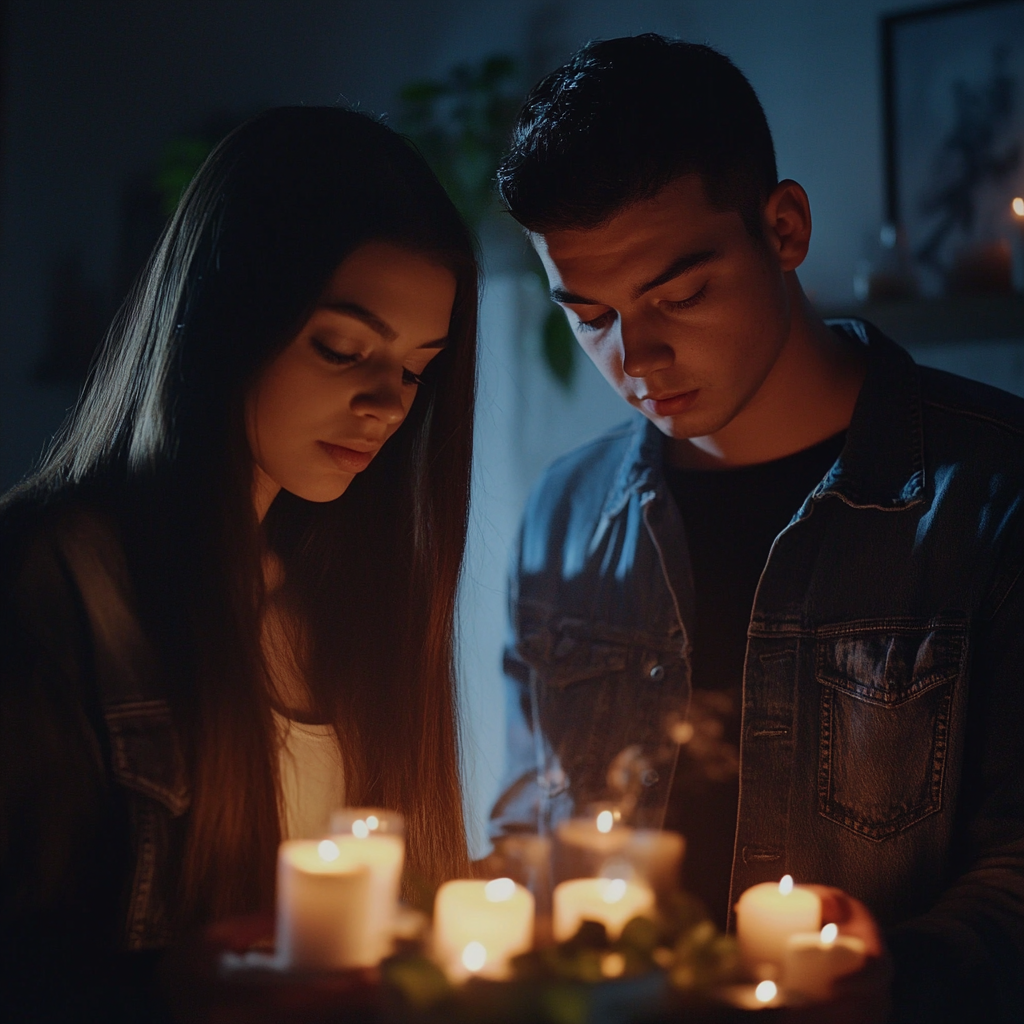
[559, 348]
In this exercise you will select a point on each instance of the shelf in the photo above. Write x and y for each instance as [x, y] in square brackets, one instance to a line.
[919, 322]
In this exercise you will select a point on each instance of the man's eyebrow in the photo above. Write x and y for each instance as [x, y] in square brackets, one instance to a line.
[361, 313]
[681, 265]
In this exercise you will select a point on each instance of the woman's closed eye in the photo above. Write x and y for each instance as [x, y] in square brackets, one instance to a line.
[598, 323]
[333, 356]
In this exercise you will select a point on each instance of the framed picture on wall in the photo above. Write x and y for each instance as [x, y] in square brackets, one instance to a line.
[954, 127]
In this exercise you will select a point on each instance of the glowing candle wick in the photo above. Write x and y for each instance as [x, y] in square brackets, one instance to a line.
[829, 934]
[605, 821]
[1018, 206]
[359, 829]
[474, 956]
[499, 890]
[765, 992]
[328, 851]
[786, 885]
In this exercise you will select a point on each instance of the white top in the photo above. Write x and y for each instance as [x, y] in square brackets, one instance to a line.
[312, 777]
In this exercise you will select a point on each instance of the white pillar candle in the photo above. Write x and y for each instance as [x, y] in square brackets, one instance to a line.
[374, 838]
[613, 902]
[323, 900]
[766, 916]
[479, 926]
[816, 959]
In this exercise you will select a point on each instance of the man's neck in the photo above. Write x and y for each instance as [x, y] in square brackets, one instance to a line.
[808, 396]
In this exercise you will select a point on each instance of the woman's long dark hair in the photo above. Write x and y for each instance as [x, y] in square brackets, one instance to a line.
[159, 437]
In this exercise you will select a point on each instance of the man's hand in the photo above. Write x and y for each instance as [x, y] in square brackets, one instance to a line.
[861, 998]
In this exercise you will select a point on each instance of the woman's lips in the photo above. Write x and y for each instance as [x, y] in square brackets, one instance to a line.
[671, 405]
[348, 459]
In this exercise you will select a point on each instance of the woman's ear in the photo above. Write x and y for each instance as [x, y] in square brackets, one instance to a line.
[787, 221]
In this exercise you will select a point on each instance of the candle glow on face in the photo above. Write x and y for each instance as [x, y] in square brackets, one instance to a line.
[829, 934]
[766, 991]
[1018, 206]
[605, 821]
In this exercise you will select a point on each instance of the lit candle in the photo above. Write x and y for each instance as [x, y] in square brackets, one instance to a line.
[480, 926]
[373, 838]
[1017, 267]
[323, 901]
[816, 959]
[613, 902]
[766, 916]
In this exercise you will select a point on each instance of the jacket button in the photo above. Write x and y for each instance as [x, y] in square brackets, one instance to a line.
[649, 777]
[657, 673]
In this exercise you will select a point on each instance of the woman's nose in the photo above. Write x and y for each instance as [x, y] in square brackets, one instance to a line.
[381, 400]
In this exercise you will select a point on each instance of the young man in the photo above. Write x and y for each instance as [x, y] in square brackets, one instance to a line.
[780, 610]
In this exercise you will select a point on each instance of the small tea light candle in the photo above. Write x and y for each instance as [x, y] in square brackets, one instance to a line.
[480, 926]
[323, 901]
[766, 916]
[374, 838]
[814, 960]
[613, 902]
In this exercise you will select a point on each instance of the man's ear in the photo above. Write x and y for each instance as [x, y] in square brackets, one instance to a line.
[787, 223]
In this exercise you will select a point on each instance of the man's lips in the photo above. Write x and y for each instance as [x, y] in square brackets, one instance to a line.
[670, 405]
[348, 459]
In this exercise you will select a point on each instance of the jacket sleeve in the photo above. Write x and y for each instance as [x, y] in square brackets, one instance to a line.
[964, 959]
[63, 832]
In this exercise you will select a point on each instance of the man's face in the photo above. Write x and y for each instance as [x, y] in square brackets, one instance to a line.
[682, 311]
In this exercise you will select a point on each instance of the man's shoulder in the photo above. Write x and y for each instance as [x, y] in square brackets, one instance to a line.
[971, 405]
[582, 480]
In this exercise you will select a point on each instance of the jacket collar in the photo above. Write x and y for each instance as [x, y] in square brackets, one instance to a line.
[881, 465]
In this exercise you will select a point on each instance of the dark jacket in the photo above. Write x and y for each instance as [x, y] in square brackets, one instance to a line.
[94, 787]
[883, 689]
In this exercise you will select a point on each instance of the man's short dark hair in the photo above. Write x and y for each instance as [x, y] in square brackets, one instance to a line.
[622, 119]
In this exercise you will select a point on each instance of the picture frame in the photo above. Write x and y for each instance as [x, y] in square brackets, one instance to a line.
[953, 94]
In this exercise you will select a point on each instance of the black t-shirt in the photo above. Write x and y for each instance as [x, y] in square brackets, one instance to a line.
[731, 517]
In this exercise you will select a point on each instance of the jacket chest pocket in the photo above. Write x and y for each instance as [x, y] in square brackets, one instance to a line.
[886, 693]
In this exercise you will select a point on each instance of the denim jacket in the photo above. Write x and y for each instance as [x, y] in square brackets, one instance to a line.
[883, 687]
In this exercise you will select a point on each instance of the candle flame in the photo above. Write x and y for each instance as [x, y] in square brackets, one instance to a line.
[614, 890]
[829, 934]
[765, 992]
[1018, 206]
[360, 829]
[373, 822]
[613, 965]
[786, 885]
[328, 851]
[498, 890]
[474, 956]
[605, 820]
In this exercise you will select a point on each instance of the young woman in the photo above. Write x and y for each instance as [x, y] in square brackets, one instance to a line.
[227, 596]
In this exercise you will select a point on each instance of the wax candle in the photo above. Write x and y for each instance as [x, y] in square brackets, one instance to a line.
[323, 900]
[766, 916]
[613, 902]
[814, 960]
[479, 926]
[374, 838]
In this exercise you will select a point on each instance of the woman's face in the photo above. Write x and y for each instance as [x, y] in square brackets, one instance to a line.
[323, 408]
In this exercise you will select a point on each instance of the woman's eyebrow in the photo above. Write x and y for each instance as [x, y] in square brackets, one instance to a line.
[357, 312]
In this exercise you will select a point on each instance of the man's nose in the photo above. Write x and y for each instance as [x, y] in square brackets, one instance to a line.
[643, 351]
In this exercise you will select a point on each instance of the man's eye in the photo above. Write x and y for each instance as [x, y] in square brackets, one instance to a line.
[691, 301]
[599, 323]
[332, 355]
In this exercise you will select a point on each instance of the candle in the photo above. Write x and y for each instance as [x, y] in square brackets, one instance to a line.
[613, 902]
[814, 960]
[766, 916]
[479, 926]
[323, 899]
[373, 838]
